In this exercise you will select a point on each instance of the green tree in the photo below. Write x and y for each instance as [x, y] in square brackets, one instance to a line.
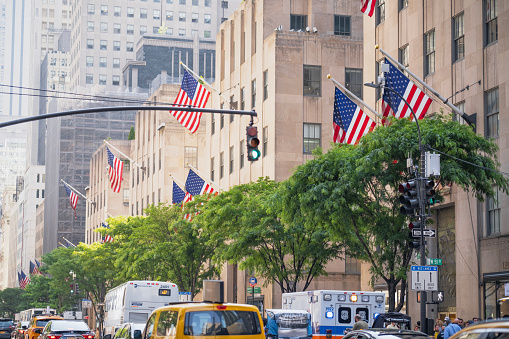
[38, 292]
[11, 302]
[248, 218]
[353, 190]
[131, 135]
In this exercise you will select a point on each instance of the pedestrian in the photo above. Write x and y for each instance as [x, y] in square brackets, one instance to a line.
[475, 319]
[461, 323]
[469, 322]
[438, 327]
[451, 329]
[359, 323]
[392, 325]
[417, 326]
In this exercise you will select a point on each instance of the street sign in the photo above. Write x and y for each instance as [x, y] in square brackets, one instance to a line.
[430, 261]
[437, 297]
[424, 278]
[256, 290]
[252, 281]
[427, 233]
[86, 303]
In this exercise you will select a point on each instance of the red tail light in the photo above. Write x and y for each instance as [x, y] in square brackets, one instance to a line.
[22, 331]
[221, 307]
[88, 336]
[54, 336]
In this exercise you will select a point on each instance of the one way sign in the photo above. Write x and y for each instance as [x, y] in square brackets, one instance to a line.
[427, 233]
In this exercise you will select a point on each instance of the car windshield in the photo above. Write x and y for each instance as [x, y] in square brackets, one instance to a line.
[6, 323]
[63, 325]
[222, 323]
[41, 323]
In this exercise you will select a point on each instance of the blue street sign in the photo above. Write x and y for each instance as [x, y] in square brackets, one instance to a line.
[252, 281]
[424, 268]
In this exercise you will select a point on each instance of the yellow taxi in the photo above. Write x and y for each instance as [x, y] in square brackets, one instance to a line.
[209, 318]
[37, 324]
[489, 329]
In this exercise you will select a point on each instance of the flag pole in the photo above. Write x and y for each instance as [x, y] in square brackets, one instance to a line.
[69, 242]
[355, 97]
[178, 182]
[206, 83]
[78, 192]
[425, 85]
[109, 214]
[203, 176]
[131, 160]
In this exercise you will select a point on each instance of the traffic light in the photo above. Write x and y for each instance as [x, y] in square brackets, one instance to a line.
[252, 142]
[409, 198]
[430, 192]
[414, 242]
[72, 288]
[77, 288]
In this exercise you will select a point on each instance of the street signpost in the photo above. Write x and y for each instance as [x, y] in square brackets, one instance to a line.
[427, 233]
[424, 278]
[252, 282]
[255, 290]
[434, 262]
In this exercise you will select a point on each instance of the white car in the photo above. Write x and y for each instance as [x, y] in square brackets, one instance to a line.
[130, 331]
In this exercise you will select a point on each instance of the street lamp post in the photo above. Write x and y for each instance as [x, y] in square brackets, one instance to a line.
[422, 206]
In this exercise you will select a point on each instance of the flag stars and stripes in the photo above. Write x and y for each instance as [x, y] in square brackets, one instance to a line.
[73, 199]
[115, 167]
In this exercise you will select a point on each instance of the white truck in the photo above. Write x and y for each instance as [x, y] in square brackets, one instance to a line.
[134, 301]
[332, 312]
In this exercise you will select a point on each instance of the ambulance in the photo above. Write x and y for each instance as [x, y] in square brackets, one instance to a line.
[333, 312]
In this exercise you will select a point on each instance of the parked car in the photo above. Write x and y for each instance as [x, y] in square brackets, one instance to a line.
[130, 331]
[19, 330]
[489, 329]
[385, 333]
[37, 324]
[67, 329]
[6, 327]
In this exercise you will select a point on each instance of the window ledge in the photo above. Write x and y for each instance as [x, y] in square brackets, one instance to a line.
[458, 60]
[491, 44]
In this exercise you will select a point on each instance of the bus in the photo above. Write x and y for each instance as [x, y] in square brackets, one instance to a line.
[334, 311]
[27, 315]
[134, 301]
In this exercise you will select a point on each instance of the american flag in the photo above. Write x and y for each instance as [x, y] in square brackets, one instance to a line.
[392, 103]
[368, 7]
[187, 198]
[73, 199]
[196, 185]
[178, 194]
[107, 237]
[349, 123]
[191, 93]
[37, 263]
[116, 166]
[34, 269]
[23, 280]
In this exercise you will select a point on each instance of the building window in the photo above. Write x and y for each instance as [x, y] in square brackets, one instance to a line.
[380, 12]
[126, 196]
[492, 113]
[155, 29]
[169, 1]
[459, 37]
[89, 78]
[191, 156]
[157, 14]
[221, 119]
[430, 52]
[403, 55]
[213, 124]
[253, 93]
[115, 80]
[116, 45]
[298, 22]
[457, 117]
[491, 21]
[353, 81]
[265, 84]
[102, 62]
[182, 16]
[403, 4]
[312, 137]
[207, 18]
[160, 159]
[130, 12]
[194, 17]
[129, 46]
[242, 151]
[116, 28]
[182, 2]
[242, 98]
[231, 158]
[103, 45]
[91, 9]
[207, 34]
[221, 165]
[102, 79]
[233, 105]
[182, 32]
[90, 43]
[130, 29]
[494, 213]
[143, 13]
[312, 80]
[265, 141]
[207, 3]
[352, 265]
[37, 193]
[90, 61]
[212, 169]
[143, 29]
[342, 25]
[90, 26]
[116, 11]
[169, 15]
[104, 10]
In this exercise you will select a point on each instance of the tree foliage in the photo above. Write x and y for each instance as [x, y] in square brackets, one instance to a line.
[353, 190]
[11, 302]
[131, 135]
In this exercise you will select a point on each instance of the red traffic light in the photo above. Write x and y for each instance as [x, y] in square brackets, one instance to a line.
[252, 140]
